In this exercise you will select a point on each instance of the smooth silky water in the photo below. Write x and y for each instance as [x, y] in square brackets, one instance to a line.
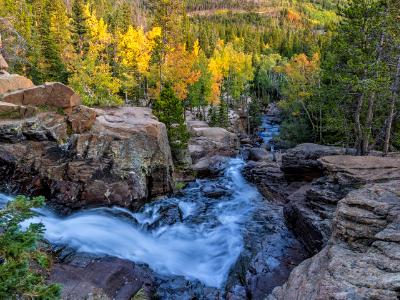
[269, 130]
[203, 240]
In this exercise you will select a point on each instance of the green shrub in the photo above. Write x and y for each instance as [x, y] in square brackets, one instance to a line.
[22, 263]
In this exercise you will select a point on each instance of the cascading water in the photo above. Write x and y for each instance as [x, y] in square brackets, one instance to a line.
[193, 235]
[4, 199]
[269, 129]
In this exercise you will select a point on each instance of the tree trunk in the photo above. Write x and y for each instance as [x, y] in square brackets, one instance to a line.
[395, 96]
[308, 115]
[371, 103]
[358, 129]
[368, 124]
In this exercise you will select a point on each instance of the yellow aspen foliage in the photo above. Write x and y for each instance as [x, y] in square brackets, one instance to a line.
[179, 70]
[135, 47]
[300, 68]
[99, 36]
[301, 73]
[196, 48]
[293, 16]
[93, 78]
[230, 67]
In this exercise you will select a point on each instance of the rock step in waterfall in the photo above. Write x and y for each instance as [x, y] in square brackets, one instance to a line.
[196, 244]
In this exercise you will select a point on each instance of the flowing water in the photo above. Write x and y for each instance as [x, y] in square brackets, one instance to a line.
[4, 199]
[203, 236]
[269, 129]
[194, 236]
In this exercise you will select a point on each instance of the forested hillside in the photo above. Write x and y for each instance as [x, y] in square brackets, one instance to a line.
[330, 64]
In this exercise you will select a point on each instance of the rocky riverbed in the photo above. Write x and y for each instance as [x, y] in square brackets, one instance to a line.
[103, 171]
[201, 244]
[118, 227]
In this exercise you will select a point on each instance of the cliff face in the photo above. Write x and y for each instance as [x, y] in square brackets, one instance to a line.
[362, 258]
[311, 209]
[346, 210]
[79, 157]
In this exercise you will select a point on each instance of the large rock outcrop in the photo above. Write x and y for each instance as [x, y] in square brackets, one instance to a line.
[310, 210]
[358, 170]
[353, 262]
[301, 163]
[53, 95]
[362, 258]
[83, 157]
[210, 141]
[311, 179]
[13, 82]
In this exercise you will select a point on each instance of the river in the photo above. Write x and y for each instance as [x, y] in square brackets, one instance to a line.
[199, 235]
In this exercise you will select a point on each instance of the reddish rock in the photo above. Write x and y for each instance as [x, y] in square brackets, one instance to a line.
[37, 96]
[13, 82]
[14, 97]
[50, 94]
[124, 159]
[99, 278]
[82, 119]
[62, 96]
[3, 63]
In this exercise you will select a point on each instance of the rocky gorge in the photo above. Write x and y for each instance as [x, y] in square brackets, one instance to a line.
[343, 208]
[317, 222]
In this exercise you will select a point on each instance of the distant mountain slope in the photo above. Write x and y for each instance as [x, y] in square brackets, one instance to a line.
[285, 27]
[237, 5]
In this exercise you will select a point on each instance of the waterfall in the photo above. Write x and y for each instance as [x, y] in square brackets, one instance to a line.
[192, 235]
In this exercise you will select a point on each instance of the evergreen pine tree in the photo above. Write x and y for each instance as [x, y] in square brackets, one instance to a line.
[53, 67]
[213, 116]
[170, 111]
[254, 115]
[223, 114]
[355, 73]
[79, 27]
[22, 264]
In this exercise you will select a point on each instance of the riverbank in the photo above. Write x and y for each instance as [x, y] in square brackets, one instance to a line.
[227, 245]
[343, 208]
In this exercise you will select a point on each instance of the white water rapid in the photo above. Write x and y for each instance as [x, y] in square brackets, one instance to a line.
[191, 235]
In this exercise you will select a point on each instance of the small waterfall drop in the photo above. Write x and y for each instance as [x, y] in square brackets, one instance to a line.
[192, 235]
